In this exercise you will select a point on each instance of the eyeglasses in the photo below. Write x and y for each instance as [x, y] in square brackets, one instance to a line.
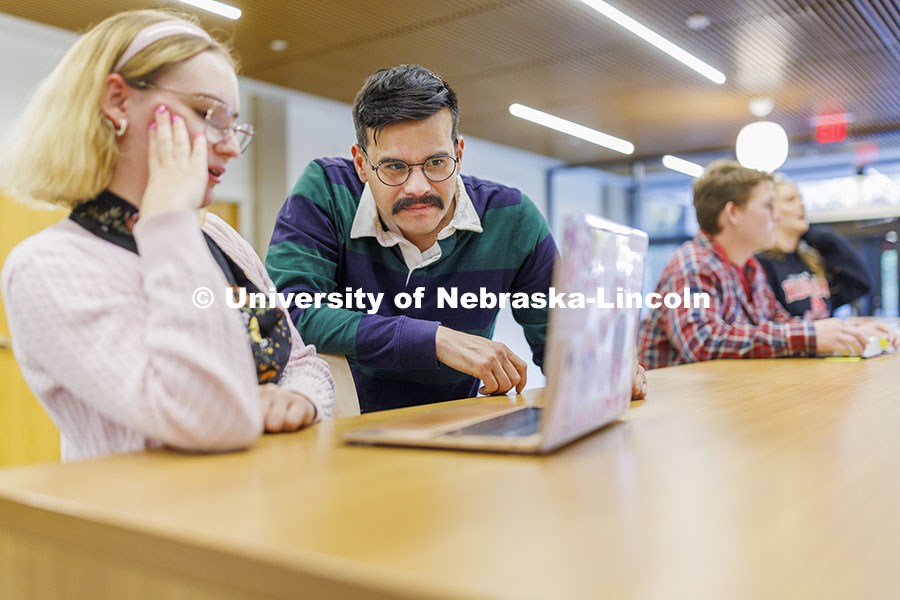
[219, 118]
[395, 172]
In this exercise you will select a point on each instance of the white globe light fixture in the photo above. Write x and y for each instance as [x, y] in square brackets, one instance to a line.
[762, 145]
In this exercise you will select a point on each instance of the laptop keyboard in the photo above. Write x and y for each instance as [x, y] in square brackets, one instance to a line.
[515, 424]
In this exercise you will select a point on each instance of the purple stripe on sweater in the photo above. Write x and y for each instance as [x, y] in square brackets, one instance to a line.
[484, 193]
[396, 344]
[342, 172]
[318, 233]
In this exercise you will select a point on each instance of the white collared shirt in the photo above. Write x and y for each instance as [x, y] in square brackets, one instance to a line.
[367, 224]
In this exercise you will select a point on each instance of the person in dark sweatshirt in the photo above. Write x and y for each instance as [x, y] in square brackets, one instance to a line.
[812, 270]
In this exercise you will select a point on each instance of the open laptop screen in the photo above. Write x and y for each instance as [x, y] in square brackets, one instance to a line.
[590, 350]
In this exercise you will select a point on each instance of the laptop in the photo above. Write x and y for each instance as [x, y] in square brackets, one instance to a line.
[589, 356]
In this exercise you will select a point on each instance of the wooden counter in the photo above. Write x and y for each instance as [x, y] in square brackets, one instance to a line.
[735, 479]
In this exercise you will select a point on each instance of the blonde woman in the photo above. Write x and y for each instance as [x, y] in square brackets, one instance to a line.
[814, 272]
[132, 131]
[804, 281]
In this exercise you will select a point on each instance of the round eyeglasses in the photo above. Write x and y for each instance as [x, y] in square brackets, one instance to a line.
[394, 172]
[220, 120]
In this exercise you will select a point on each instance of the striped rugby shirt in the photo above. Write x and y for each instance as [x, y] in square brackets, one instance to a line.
[392, 353]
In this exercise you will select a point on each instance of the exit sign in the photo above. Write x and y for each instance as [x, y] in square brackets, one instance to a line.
[831, 128]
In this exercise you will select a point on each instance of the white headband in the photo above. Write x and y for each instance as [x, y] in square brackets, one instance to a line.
[156, 32]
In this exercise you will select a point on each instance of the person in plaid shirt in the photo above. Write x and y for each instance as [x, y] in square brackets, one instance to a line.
[736, 211]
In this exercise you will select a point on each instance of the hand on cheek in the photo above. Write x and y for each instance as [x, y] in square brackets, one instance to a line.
[177, 166]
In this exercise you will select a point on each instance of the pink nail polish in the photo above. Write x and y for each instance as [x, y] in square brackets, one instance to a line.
[161, 108]
[176, 118]
[153, 125]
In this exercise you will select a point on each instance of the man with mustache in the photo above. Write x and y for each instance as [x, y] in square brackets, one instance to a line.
[398, 217]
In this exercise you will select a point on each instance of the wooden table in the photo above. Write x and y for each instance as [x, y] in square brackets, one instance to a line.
[735, 479]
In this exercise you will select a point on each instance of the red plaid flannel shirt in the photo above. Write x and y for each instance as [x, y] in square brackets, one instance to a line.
[732, 326]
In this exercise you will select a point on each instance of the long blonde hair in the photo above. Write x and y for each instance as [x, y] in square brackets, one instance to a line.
[809, 255]
[63, 148]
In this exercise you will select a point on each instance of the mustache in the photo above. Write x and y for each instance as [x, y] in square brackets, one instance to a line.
[408, 201]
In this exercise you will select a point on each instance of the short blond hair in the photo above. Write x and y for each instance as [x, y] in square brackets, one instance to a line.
[723, 181]
[63, 148]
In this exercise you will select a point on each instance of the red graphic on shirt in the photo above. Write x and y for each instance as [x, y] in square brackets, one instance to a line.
[802, 286]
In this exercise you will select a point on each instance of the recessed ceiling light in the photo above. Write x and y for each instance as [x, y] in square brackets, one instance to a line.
[278, 45]
[761, 107]
[570, 128]
[657, 40]
[220, 8]
[697, 22]
[682, 166]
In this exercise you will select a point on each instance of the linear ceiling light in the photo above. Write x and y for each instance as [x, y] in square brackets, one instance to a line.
[574, 129]
[682, 166]
[648, 35]
[229, 12]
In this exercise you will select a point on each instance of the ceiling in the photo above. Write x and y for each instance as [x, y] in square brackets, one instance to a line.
[560, 56]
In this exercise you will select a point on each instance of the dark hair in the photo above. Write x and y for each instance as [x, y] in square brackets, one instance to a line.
[404, 93]
[723, 181]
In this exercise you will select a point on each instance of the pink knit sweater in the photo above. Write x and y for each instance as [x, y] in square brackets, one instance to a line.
[112, 345]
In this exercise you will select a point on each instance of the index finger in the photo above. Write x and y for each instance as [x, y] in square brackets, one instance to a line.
[274, 417]
[894, 339]
[861, 337]
[849, 341]
[489, 384]
[163, 128]
[522, 367]
[879, 329]
[295, 415]
[181, 144]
